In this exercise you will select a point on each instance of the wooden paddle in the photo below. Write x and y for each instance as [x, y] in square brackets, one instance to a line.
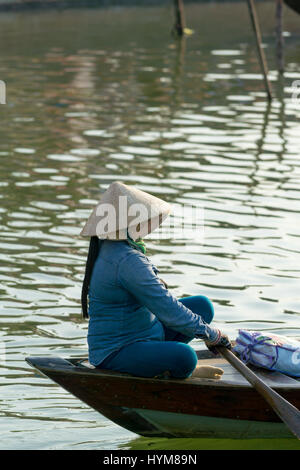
[287, 412]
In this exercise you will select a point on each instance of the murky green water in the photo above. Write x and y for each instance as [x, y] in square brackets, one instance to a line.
[100, 95]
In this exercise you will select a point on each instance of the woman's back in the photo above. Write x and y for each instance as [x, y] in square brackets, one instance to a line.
[116, 316]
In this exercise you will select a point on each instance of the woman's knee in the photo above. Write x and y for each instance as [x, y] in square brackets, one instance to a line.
[209, 311]
[201, 305]
[184, 360]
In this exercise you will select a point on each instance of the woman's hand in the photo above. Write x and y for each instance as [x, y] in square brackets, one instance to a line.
[217, 338]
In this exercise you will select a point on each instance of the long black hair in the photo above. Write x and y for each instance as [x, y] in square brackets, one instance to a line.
[91, 258]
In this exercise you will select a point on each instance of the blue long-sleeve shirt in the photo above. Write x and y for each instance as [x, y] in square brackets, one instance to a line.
[128, 303]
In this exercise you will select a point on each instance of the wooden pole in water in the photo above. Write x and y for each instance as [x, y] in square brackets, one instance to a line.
[279, 35]
[179, 17]
[262, 58]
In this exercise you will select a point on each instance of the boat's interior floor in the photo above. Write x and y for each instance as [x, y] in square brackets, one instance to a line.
[233, 377]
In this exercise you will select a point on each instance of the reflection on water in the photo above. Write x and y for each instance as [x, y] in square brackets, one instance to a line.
[143, 443]
[186, 121]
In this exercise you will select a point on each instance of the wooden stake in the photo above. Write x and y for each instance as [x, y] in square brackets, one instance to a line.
[279, 35]
[262, 58]
[179, 17]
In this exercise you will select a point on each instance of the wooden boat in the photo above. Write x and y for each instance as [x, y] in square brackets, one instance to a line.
[294, 4]
[194, 407]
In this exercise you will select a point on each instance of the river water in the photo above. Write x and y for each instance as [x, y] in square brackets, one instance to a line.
[97, 95]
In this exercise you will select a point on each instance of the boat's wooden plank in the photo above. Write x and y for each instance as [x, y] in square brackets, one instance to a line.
[276, 378]
[231, 375]
[216, 361]
[271, 378]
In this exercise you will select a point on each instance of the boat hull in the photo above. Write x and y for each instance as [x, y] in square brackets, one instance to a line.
[171, 408]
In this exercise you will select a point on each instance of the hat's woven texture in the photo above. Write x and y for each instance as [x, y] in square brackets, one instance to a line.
[123, 208]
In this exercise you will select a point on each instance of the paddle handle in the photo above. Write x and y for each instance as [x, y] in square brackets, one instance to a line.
[287, 412]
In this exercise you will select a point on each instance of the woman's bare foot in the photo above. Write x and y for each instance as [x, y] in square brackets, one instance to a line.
[207, 372]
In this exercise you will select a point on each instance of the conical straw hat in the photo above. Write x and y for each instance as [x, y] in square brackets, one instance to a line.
[123, 208]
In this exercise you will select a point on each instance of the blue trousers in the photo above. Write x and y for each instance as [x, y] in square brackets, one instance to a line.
[154, 358]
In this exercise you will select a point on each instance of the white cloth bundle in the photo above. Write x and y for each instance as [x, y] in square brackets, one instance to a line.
[273, 352]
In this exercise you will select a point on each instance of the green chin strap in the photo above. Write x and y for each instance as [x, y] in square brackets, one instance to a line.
[139, 244]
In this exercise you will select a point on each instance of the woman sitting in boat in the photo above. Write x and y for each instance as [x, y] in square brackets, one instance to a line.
[136, 325]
